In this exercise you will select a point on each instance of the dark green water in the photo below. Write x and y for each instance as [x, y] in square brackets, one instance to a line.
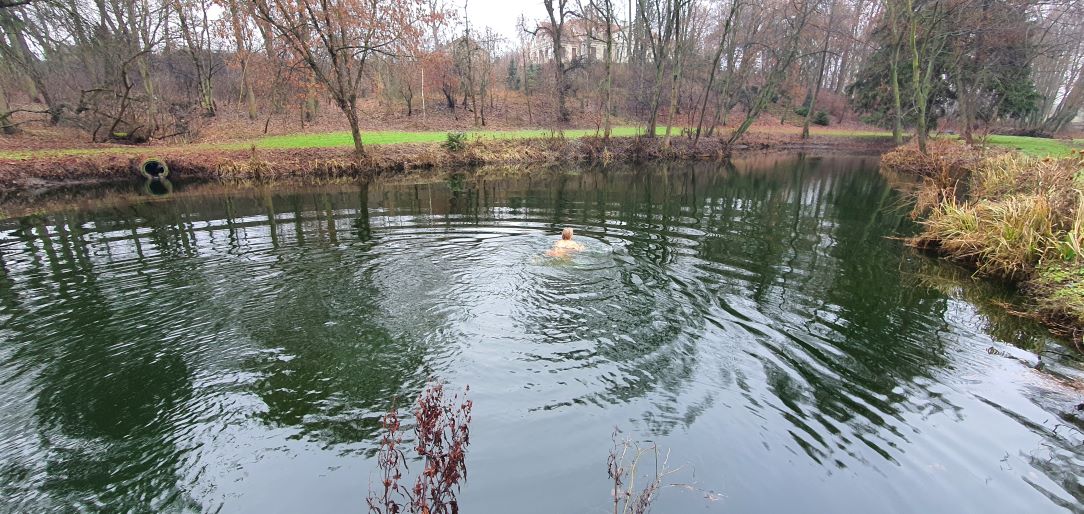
[232, 351]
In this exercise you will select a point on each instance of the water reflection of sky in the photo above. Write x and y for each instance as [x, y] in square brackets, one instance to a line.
[233, 350]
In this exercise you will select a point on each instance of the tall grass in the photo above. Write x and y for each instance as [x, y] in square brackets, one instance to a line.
[1019, 211]
[1071, 246]
[1007, 237]
[1016, 216]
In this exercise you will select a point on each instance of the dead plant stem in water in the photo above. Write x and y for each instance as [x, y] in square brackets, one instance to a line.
[627, 499]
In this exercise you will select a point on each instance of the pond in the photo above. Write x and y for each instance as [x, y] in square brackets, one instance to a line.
[232, 350]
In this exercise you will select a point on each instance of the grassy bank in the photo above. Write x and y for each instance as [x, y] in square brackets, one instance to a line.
[322, 156]
[1008, 215]
[342, 140]
[306, 163]
[312, 141]
[1037, 146]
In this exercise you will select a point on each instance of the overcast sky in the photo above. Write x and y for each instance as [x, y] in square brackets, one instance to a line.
[501, 15]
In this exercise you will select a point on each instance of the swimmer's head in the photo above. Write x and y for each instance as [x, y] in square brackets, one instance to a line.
[566, 234]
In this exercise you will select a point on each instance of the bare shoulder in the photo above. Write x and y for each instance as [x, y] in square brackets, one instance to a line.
[568, 245]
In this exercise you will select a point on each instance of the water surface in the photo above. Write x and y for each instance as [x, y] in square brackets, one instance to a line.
[231, 351]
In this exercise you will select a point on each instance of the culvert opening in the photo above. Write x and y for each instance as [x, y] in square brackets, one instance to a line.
[154, 168]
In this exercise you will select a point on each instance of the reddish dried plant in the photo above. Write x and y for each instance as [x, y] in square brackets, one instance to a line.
[391, 461]
[442, 434]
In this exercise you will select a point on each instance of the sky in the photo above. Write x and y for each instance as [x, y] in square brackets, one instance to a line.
[501, 15]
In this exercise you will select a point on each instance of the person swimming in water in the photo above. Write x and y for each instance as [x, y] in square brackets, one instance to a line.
[566, 245]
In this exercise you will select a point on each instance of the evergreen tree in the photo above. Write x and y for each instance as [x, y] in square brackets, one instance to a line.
[513, 80]
[980, 69]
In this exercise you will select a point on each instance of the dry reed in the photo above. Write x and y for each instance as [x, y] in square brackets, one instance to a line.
[1008, 215]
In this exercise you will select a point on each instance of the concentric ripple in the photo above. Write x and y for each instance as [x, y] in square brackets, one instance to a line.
[232, 350]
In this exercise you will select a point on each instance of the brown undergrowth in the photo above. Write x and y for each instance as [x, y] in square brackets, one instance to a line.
[1007, 215]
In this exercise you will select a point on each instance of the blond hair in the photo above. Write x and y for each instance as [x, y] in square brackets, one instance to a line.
[566, 233]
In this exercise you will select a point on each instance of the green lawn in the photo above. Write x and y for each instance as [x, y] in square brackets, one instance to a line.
[1037, 146]
[342, 139]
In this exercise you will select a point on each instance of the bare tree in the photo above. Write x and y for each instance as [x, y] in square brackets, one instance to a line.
[601, 13]
[523, 49]
[337, 38]
[659, 24]
[724, 38]
[790, 25]
[241, 37]
[819, 79]
[195, 28]
[559, 12]
[682, 13]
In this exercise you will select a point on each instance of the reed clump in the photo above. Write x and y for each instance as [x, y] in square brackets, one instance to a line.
[1011, 216]
[1006, 237]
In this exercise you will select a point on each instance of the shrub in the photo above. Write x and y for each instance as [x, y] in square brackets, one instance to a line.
[1021, 211]
[801, 110]
[947, 159]
[820, 118]
[1030, 133]
[455, 141]
[878, 120]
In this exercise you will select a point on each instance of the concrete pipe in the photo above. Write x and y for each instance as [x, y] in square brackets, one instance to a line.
[155, 169]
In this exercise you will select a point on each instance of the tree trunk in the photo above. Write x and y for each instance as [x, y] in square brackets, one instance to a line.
[483, 88]
[557, 25]
[921, 130]
[203, 79]
[349, 107]
[841, 73]
[1068, 108]
[267, 34]
[675, 77]
[7, 126]
[527, 88]
[820, 73]
[656, 98]
[243, 55]
[966, 112]
[607, 104]
[897, 103]
[659, 49]
[29, 62]
[714, 68]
